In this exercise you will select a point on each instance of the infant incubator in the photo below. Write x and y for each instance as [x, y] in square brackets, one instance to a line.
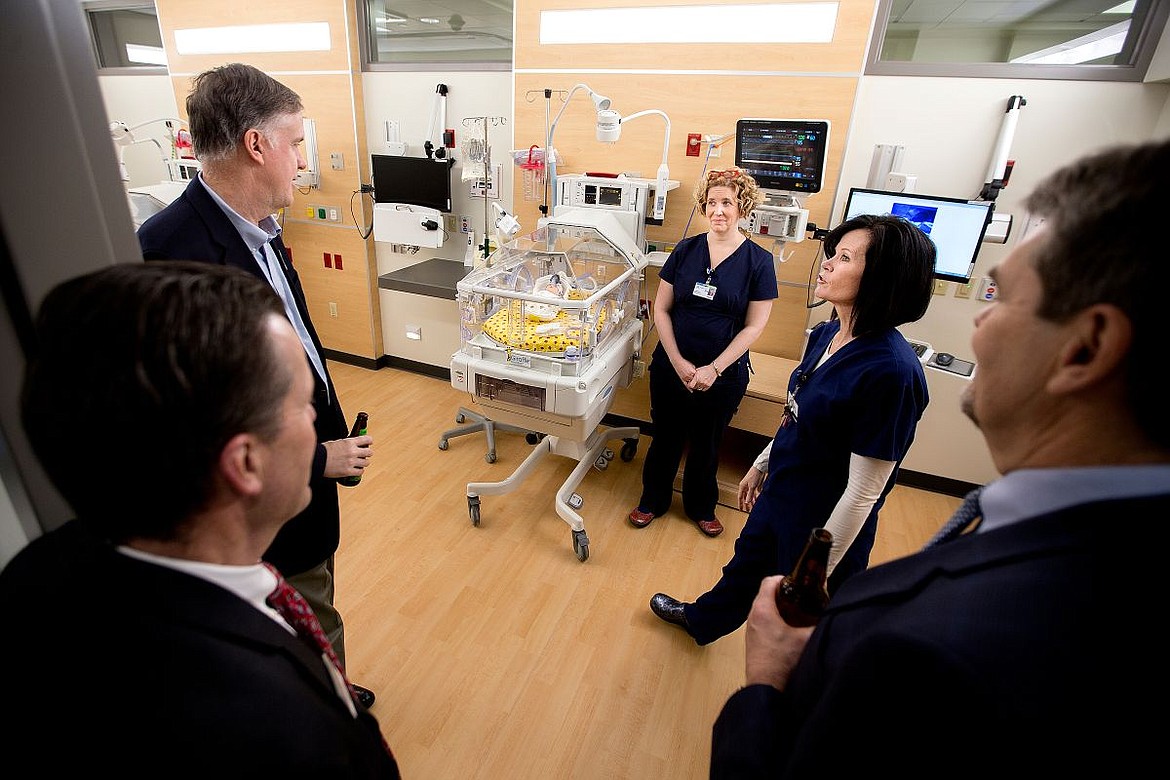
[549, 330]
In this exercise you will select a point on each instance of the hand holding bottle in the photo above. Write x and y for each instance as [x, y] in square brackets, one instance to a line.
[346, 459]
[802, 596]
[771, 646]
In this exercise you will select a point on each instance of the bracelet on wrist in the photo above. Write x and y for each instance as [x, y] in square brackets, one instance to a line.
[715, 368]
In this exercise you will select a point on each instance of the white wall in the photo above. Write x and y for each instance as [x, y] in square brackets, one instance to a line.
[136, 99]
[949, 128]
[410, 99]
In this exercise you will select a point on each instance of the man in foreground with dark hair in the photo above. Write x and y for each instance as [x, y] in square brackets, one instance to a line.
[1011, 650]
[171, 406]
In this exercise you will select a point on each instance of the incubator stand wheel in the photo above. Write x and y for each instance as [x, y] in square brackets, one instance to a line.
[629, 449]
[532, 438]
[490, 457]
[443, 445]
[460, 419]
[581, 545]
[473, 510]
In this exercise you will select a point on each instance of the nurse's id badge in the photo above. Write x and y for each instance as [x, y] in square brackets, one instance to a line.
[705, 290]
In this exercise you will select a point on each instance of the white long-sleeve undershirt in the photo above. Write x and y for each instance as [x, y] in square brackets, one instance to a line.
[867, 479]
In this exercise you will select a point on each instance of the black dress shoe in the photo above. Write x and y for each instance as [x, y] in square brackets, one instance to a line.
[364, 695]
[669, 609]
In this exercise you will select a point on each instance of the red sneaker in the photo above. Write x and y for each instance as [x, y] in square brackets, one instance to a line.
[640, 519]
[710, 527]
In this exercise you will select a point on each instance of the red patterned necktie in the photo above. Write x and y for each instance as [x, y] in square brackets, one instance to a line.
[297, 613]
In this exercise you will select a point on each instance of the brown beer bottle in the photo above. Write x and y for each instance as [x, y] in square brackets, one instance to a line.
[803, 594]
[359, 429]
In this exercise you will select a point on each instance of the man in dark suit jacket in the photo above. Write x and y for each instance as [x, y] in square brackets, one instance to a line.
[171, 406]
[1006, 652]
[247, 128]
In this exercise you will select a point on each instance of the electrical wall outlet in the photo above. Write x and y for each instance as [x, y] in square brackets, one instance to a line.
[465, 224]
[940, 286]
[322, 213]
[712, 150]
[988, 291]
[963, 290]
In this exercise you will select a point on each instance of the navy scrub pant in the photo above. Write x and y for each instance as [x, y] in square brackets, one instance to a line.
[690, 422]
[765, 547]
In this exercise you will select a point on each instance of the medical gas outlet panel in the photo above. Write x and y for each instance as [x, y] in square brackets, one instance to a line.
[784, 223]
[627, 198]
[603, 192]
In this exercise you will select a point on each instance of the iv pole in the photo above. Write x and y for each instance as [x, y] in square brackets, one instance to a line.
[487, 174]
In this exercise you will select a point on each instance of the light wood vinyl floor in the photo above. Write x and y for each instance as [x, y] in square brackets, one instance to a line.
[494, 652]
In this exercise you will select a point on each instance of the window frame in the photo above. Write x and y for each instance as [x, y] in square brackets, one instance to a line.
[88, 7]
[1151, 17]
[370, 66]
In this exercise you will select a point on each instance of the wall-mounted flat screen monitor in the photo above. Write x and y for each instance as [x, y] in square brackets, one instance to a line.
[955, 226]
[415, 181]
[785, 155]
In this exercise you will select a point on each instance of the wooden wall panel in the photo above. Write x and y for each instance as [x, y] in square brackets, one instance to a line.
[846, 52]
[694, 103]
[703, 88]
[183, 14]
[329, 85]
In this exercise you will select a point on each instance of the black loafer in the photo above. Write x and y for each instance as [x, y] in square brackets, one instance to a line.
[364, 695]
[669, 609]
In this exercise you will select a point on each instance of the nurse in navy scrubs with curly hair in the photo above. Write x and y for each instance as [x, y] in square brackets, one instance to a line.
[714, 297]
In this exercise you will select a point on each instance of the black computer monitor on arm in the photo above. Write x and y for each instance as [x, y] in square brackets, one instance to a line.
[783, 155]
[956, 226]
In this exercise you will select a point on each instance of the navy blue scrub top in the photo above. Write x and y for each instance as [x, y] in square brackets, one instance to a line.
[866, 398]
[703, 328]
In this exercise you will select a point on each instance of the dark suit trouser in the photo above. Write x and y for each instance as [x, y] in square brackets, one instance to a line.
[693, 422]
[317, 586]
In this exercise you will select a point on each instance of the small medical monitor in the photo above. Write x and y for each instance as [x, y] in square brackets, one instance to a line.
[955, 226]
[784, 155]
[415, 181]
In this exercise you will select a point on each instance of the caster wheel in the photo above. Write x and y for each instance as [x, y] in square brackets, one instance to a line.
[629, 450]
[532, 438]
[490, 457]
[473, 510]
[459, 418]
[581, 545]
[443, 445]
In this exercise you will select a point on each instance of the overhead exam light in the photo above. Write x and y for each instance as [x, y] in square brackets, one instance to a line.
[609, 130]
[123, 137]
[600, 102]
[609, 126]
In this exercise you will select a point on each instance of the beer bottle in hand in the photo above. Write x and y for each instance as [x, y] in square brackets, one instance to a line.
[359, 429]
[803, 594]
